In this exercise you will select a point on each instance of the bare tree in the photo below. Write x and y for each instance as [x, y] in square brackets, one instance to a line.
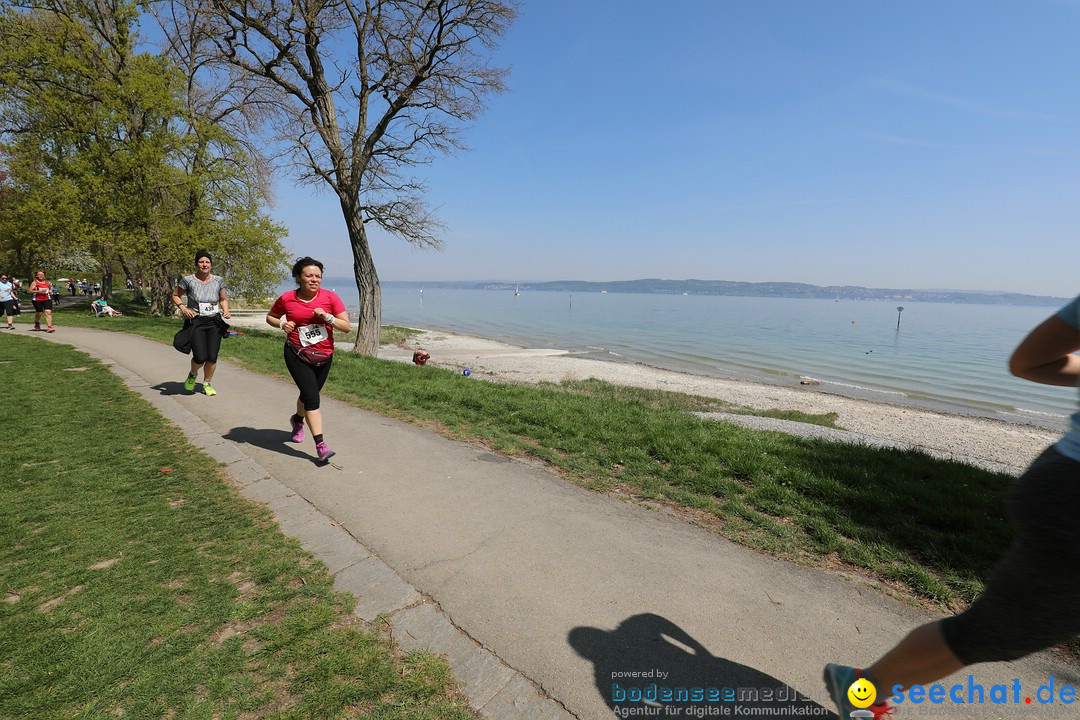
[363, 91]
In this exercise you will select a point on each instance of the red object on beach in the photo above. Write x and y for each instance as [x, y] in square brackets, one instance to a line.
[420, 357]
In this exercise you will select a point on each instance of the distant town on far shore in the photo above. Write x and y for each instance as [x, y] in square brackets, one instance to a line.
[748, 289]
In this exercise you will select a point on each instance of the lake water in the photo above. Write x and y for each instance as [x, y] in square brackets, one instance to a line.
[944, 356]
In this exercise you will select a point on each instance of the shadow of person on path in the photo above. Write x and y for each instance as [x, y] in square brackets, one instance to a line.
[172, 388]
[273, 440]
[685, 679]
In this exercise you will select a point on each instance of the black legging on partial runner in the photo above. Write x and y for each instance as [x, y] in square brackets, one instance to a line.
[205, 340]
[1030, 602]
[309, 380]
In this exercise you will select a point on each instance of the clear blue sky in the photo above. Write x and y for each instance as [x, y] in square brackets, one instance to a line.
[914, 143]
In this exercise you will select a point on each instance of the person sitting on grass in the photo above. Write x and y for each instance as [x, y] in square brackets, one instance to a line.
[105, 309]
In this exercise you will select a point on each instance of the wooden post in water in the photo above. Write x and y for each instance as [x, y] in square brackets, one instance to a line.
[898, 311]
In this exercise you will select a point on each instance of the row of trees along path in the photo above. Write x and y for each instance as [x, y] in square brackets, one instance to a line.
[356, 94]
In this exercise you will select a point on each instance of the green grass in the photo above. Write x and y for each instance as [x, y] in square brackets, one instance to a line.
[930, 526]
[128, 590]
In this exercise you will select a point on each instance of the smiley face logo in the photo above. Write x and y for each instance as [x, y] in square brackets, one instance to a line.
[862, 693]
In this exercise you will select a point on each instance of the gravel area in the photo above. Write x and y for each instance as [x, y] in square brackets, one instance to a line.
[993, 444]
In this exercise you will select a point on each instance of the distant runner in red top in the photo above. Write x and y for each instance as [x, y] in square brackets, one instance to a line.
[309, 315]
[41, 289]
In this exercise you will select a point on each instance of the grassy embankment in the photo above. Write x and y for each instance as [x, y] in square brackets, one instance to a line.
[131, 591]
[929, 526]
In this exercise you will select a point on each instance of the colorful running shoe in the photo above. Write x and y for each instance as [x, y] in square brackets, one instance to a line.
[37, 326]
[208, 389]
[51, 329]
[838, 678]
[297, 429]
[325, 453]
[189, 384]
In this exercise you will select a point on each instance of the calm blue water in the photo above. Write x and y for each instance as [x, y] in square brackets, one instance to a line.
[948, 357]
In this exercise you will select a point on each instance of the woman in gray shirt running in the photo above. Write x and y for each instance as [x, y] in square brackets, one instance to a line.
[202, 299]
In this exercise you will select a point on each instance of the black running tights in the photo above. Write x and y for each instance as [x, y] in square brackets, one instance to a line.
[309, 380]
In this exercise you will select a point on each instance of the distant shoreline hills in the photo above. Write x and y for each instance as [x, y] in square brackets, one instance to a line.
[750, 289]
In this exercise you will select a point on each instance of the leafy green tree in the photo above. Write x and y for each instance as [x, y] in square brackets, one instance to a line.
[37, 222]
[102, 136]
[91, 122]
[42, 216]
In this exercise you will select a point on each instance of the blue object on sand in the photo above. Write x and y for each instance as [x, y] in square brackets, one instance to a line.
[466, 372]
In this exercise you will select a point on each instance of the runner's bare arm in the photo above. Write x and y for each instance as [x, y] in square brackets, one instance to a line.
[1045, 355]
[223, 301]
[178, 301]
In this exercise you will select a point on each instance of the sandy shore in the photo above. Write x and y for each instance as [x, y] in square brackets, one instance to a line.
[994, 444]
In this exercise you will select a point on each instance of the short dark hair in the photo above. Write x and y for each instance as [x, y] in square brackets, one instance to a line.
[203, 254]
[304, 262]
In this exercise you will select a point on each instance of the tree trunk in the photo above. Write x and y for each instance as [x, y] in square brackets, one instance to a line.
[106, 279]
[369, 322]
[137, 288]
[160, 288]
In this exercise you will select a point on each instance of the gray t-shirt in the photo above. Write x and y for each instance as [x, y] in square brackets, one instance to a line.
[203, 298]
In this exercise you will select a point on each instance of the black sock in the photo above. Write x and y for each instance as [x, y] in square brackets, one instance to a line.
[318, 438]
[298, 420]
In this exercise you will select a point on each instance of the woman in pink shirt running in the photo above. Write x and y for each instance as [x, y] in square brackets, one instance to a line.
[309, 315]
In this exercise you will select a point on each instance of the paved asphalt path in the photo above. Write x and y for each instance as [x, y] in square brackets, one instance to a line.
[543, 595]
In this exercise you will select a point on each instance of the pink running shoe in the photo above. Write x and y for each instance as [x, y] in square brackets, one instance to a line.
[297, 429]
[325, 453]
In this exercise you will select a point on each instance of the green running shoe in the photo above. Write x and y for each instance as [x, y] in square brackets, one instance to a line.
[208, 390]
[189, 384]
